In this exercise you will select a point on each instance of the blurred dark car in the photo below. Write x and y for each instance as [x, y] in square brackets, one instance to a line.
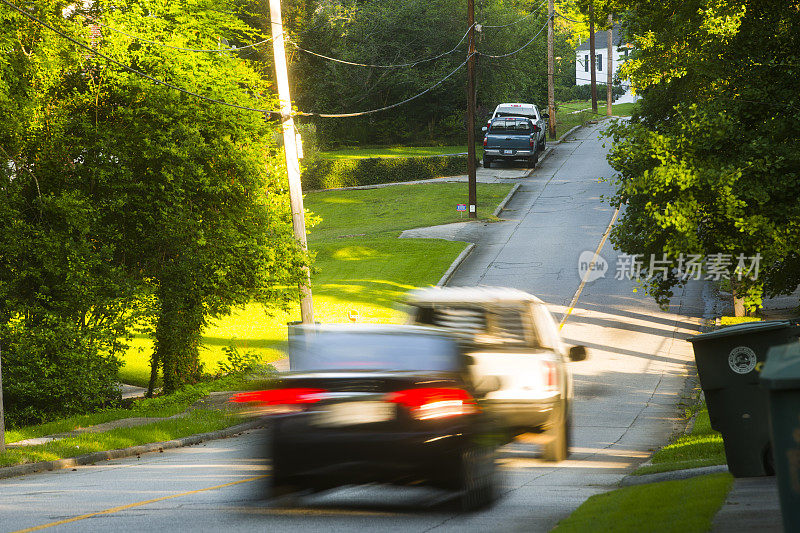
[378, 404]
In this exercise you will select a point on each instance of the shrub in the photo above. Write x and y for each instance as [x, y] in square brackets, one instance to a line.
[331, 174]
[53, 370]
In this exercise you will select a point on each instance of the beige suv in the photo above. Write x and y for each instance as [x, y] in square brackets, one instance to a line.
[517, 358]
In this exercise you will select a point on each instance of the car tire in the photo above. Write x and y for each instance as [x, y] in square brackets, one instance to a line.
[543, 143]
[487, 162]
[278, 486]
[477, 486]
[533, 160]
[558, 440]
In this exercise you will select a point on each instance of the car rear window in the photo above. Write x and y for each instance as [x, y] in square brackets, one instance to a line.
[516, 112]
[368, 351]
[517, 125]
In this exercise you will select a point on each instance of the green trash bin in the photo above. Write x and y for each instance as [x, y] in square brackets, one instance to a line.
[727, 362]
[781, 376]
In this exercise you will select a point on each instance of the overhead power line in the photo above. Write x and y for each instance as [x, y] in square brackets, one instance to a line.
[569, 19]
[212, 100]
[521, 47]
[165, 45]
[529, 15]
[371, 111]
[399, 65]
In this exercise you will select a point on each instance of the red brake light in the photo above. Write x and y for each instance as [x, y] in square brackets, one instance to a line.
[293, 396]
[530, 141]
[434, 402]
[485, 141]
[550, 375]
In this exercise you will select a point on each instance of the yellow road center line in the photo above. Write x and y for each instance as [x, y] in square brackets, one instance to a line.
[589, 270]
[137, 504]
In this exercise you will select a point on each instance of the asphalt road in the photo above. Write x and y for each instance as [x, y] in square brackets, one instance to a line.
[626, 399]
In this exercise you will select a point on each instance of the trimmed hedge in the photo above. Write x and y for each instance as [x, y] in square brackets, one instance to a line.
[335, 173]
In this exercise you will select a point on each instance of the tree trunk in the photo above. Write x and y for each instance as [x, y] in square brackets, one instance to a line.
[738, 306]
[178, 333]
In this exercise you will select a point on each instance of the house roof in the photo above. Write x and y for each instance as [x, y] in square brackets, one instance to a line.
[601, 39]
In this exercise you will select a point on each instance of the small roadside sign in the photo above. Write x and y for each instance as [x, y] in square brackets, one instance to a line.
[352, 315]
[461, 207]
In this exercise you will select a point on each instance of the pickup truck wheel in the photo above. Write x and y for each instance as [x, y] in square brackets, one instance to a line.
[533, 160]
[544, 143]
[487, 162]
[559, 436]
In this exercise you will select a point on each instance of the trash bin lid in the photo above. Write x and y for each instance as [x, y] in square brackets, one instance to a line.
[782, 368]
[745, 328]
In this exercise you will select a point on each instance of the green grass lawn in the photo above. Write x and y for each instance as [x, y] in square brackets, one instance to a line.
[565, 120]
[684, 506]
[362, 265]
[395, 151]
[199, 421]
[702, 447]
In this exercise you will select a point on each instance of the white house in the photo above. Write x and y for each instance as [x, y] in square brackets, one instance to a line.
[582, 64]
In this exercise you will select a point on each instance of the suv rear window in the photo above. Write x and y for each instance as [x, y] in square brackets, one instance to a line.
[517, 125]
[480, 327]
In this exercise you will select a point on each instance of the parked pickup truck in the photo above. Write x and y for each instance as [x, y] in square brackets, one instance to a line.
[511, 138]
[516, 357]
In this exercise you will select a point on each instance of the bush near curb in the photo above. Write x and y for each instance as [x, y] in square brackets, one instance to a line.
[332, 174]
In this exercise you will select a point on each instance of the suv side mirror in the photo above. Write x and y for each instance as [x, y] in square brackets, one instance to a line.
[578, 353]
[545, 115]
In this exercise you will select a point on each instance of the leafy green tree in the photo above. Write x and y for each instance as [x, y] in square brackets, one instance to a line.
[127, 200]
[710, 165]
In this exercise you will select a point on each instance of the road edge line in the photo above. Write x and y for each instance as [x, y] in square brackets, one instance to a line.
[120, 453]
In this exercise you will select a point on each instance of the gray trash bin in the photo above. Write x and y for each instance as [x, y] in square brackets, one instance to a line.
[781, 376]
[727, 362]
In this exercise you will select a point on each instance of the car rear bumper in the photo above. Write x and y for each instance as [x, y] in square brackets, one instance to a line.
[534, 415]
[517, 154]
[324, 459]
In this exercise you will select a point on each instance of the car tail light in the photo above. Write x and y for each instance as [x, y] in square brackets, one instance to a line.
[530, 141]
[433, 402]
[485, 141]
[279, 401]
[550, 375]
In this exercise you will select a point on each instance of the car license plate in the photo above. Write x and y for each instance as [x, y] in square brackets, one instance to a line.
[509, 152]
[352, 413]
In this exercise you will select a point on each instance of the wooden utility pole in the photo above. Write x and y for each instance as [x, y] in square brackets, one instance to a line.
[290, 148]
[592, 59]
[610, 67]
[551, 91]
[2, 415]
[471, 171]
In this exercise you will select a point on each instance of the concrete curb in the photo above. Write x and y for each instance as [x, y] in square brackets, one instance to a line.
[460, 259]
[91, 458]
[502, 205]
[570, 132]
[630, 481]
